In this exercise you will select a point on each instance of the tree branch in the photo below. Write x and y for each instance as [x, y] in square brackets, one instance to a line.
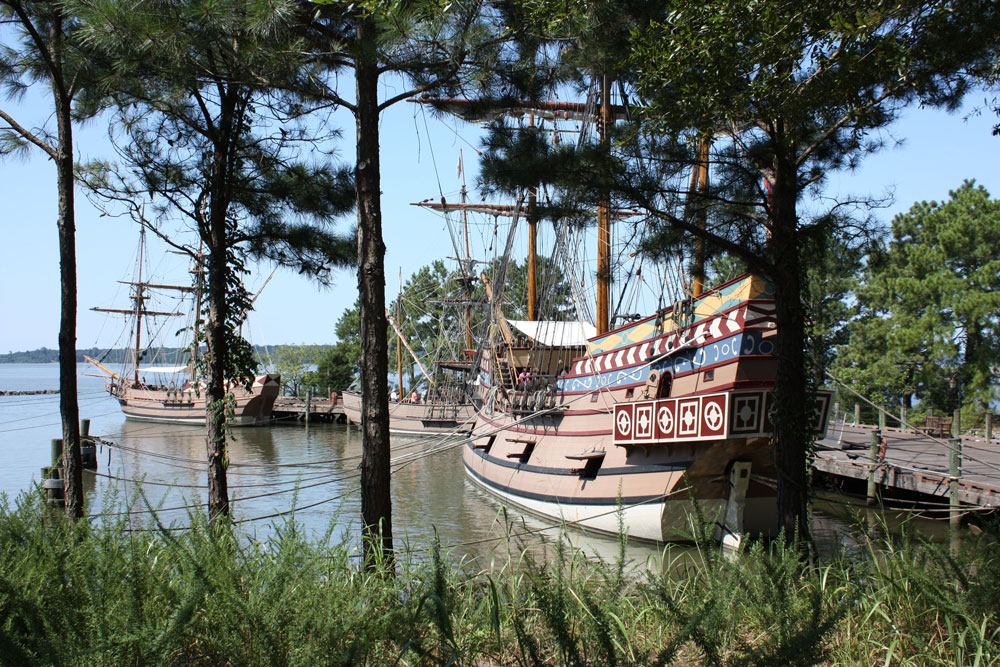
[30, 136]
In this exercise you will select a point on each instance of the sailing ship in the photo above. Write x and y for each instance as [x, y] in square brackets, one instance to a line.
[446, 406]
[449, 407]
[630, 428]
[173, 393]
[669, 410]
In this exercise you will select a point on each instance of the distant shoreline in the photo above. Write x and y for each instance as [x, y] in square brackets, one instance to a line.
[27, 392]
[46, 355]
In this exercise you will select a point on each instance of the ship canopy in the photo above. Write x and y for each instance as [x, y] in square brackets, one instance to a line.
[165, 369]
[555, 334]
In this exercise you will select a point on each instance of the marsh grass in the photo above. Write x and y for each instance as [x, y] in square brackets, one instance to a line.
[99, 594]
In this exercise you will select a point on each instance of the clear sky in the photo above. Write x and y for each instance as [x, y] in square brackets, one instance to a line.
[419, 156]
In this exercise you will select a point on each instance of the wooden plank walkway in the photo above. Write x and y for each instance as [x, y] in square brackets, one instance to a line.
[914, 462]
[288, 408]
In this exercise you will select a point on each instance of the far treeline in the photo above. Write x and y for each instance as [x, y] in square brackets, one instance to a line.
[221, 118]
[116, 356]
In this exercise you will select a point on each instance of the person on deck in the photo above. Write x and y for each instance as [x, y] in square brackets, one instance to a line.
[414, 398]
[394, 396]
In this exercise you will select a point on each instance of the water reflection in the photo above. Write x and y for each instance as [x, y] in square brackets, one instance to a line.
[315, 472]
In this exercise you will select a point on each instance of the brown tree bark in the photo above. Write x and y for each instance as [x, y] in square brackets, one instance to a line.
[376, 502]
[215, 415]
[68, 407]
[216, 341]
[792, 407]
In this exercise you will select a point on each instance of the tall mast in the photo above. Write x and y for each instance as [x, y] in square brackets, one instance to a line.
[399, 335]
[139, 298]
[604, 221]
[197, 315]
[699, 180]
[468, 258]
[532, 244]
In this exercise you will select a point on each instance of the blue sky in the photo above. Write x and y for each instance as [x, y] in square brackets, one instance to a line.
[419, 157]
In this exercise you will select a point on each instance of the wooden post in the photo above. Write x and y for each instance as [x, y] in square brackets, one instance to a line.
[57, 452]
[881, 417]
[53, 479]
[309, 398]
[989, 427]
[954, 471]
[873, 447]
[902, 417]
[956, 424]
[857, 414]
[88, 448]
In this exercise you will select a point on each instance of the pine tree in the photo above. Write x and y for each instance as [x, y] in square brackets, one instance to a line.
[934, 296]
[208, 134]
[428, 44]
[48, 52]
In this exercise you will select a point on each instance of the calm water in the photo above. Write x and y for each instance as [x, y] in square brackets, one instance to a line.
[280, 468]
[273, 470]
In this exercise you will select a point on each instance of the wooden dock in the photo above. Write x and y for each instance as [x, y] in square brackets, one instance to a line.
[291, 409]
[913, 463]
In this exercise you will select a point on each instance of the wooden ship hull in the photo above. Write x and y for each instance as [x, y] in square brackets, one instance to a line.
[653, 417]
[431, 418]
[186, 406]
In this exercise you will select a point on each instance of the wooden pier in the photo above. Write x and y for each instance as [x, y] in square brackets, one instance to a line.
[912, 463]
[291, 409]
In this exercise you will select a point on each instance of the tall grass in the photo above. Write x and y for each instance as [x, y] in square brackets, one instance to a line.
[99, 594]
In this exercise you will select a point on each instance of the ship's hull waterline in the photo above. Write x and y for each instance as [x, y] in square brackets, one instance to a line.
[418, 419]
[646, 491]
[185, 406]
[660, 422]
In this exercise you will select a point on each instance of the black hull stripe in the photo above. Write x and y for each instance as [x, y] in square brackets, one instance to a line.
[544, 470]
[563, 500]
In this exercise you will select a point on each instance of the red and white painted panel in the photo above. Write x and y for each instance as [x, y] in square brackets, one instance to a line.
[729, 414]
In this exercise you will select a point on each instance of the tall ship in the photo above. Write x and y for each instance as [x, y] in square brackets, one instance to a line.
[641, 421]
[441, 400]
[172, 392]
[640, 427]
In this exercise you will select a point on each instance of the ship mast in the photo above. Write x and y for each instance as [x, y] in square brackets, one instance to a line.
[139, 297]
[399, 335]
[699, 185]
[195, 344]
[604, 221]
[468, 259]
[532, 244]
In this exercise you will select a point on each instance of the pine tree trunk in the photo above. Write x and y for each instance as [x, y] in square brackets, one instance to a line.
[216, 341]
[376, 502]
[68, 407]
[793, 410]
[215, 415]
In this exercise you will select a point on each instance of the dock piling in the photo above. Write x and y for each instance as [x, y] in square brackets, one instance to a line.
[873, 456]
[53, 480]
[88, 448]
[989, 427]
[857, 414]
[309, 400]
[956, 424]
[954, 472]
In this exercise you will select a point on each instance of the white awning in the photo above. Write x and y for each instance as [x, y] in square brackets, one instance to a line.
[555, 334]
[164, 369]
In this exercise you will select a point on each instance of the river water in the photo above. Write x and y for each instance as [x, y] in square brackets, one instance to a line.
[273, 470]
[278, 469]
